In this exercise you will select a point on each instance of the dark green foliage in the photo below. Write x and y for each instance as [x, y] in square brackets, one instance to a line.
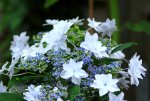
[73, 91]
[11, 97]
[49, 3]
[123, 46]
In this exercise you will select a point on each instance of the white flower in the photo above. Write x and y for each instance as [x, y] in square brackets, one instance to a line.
[136, 70]
[92, 44]
[33, 93]
[76, 21]
[56, 38]
[117, 55]
[105, 83]
[108, 27]
[113, 97]
[62, 27]
[73, 70]
[60, 43]
[33, 50]
[51, 22]
[18, 44]
[3, 68]
[93, 24]
[2, 88]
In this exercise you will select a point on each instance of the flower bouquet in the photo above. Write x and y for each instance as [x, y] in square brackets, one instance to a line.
[69, 63]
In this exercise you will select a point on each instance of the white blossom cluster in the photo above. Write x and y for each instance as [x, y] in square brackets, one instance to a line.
[56, 39]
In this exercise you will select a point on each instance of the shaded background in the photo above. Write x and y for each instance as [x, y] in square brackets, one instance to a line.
[132, 16]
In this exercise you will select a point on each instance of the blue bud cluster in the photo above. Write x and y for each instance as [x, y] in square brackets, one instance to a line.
[37, 63]
[49, 94]
[87, 81]
[96, 70]
[57, 59]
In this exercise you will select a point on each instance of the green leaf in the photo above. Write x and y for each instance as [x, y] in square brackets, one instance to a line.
[123, 46]
[49, 3]
[73, 91]
[20, 80]
[11, 97]
[4, 78]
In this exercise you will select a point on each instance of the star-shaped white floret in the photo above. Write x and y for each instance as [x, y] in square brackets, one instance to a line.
[105, 83]
[18, 44]
[108, 27]
[136, 70]
[76, 21]
[113, 97]
[74, 71]
[2, 88]
[33, 93]
[56, 37]
[33, 50]
[93, 24]
[92, 44]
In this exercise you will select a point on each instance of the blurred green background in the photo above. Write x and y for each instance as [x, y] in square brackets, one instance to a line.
[132, 16]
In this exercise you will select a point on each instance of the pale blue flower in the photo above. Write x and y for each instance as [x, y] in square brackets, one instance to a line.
[107, 28]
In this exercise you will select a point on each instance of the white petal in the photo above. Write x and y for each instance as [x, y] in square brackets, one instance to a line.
[81, 74]
[103, 92]
[76, 80]
[112, 97]
[66, 75]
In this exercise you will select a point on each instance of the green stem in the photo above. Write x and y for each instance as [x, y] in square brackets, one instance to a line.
[114, 14]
